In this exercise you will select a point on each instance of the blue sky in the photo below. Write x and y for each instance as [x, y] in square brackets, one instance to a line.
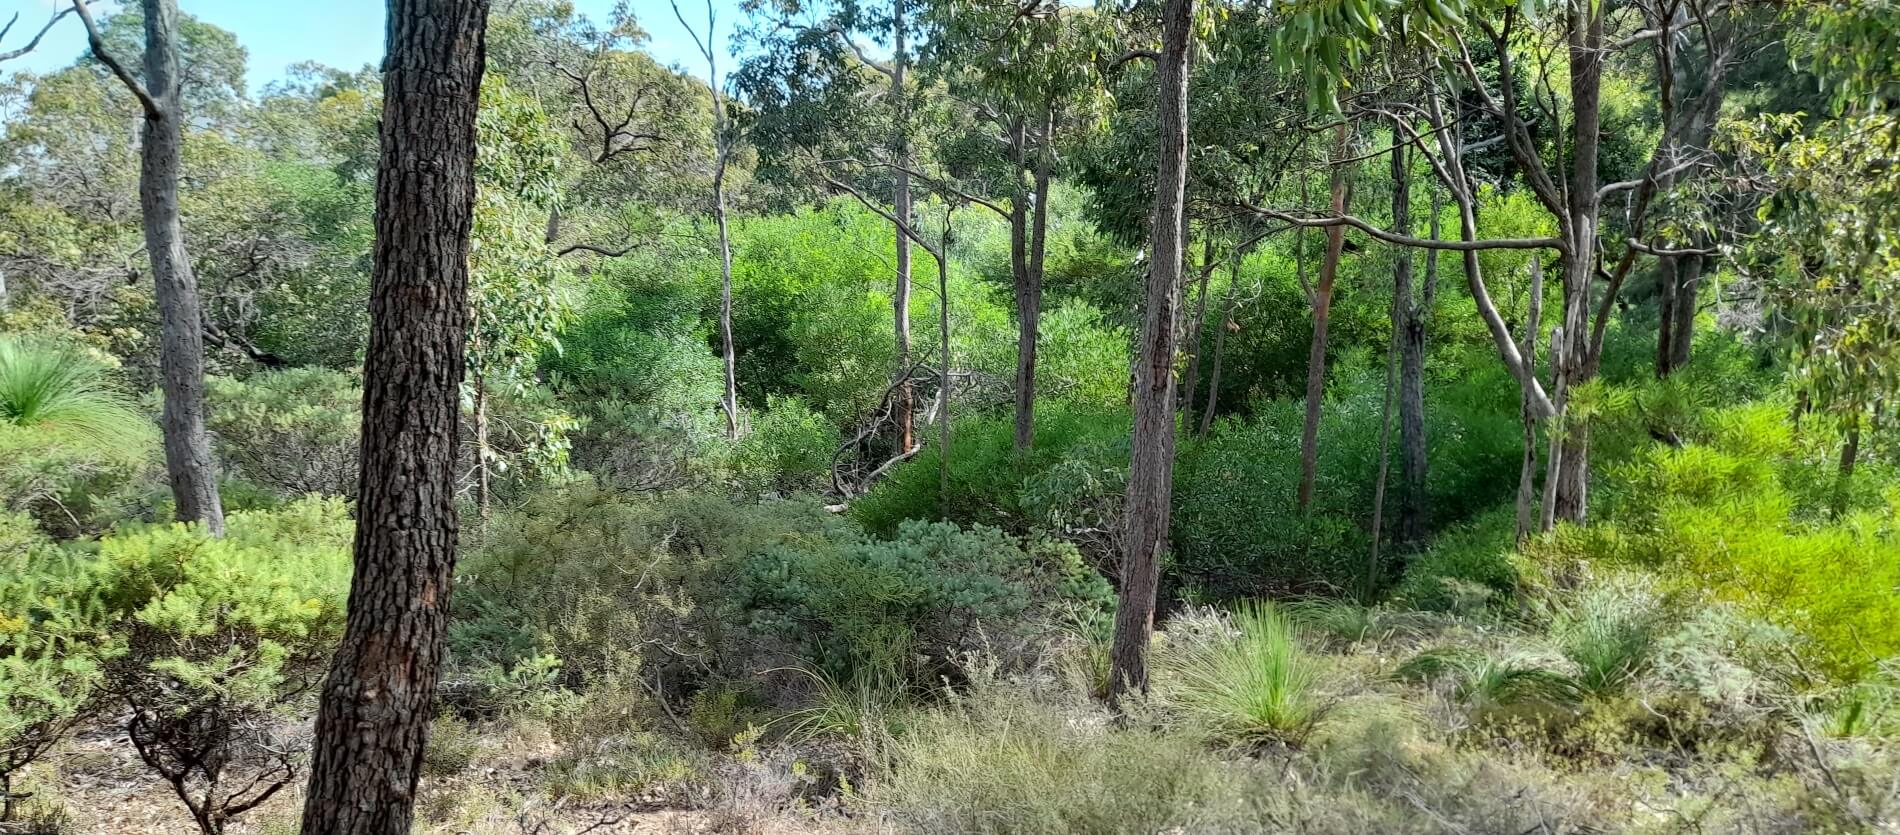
[340, 33]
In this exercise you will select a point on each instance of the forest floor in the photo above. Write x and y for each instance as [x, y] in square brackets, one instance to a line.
[106, 790]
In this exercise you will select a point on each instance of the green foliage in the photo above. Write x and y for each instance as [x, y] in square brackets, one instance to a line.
[1237, 531]
[293, 431]
[1072, 478]
[49, 660]
[906, 612]
[788, 448]
[70, 443]
[1249, 682]
[994, 763]
[1465, 566]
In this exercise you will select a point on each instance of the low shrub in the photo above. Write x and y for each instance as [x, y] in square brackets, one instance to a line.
[1238, 533]
[1464, 568]
[293, 432]
[225, 641]
[909, 610]
[1247, 682]
[74, 449]
[787, 449]
[999, 763]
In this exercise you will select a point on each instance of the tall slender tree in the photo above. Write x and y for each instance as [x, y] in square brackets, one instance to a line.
[1151, 470]
[722, 157]
[188, 462]
[378, 699]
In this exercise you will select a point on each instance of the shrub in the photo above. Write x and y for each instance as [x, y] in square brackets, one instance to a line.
[1066, 484]
[223, 638]
[1469, 565]
[1238, 532]
[604, 581]
[908, 610]
[1253, 683]
[788, 449]
[1609, 630]
[71, 445]
[995, 763]
[294, 431]
[49, 653]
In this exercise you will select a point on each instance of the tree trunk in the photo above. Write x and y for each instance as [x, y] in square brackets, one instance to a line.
[1688, 284]
[188, 462]
[943, 374]
[1667, 269]
[1410, 314]
[900, 206]
[1025, 429]
[1385, 467]
[1193, 338]
[1844, 476]
[1029, 301]
[1527, 520]
[1220, 342]
[1322, 300]
[1151, 470]
[379, 697]
[1578, 361]
[730, 403]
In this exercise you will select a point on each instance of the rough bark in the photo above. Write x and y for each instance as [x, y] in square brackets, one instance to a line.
[1527, 520]
[379, 696]
[1192, 342]
[1151, 470]
[1409, 313]
[188, 461]
[1688, 277]
[1322, 301]
[1029, 225]
[901, 207]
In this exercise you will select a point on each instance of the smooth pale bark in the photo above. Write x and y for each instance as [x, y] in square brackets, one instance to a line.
[379, 697]
[188, 462]
[1322, 301]
[1151, 470]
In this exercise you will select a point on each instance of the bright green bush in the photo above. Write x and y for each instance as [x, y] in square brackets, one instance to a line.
[293, 432]
[49, 652]
[1071, 480]
[224, 640]
[73, 448]
[907, 610]
[788, 448]
[1726, 514]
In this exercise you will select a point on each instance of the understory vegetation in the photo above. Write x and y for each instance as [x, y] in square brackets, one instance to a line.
[868, 591]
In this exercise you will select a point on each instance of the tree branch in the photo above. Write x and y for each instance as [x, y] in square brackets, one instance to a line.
[97, 42]
[15, 53]
[1407, 240]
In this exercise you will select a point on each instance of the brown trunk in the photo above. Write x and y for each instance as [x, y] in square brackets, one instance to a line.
[1385, 467]
[1578, 362]
[1193, 340]
[1409, 322]
[1667, 270]
[379, 697]
[1688, 284]
[1220, 341]
[1844, 477]
[1527, 521]
[1322, 300]
[943, 374]
[188, 462]
[900, 206]
[1151, 470]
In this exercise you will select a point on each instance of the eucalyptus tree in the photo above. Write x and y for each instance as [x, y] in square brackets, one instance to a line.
[722, 132]
[1555, 142]
[1151, 469]
[1021, 71]
[379, 697]
[188, 460]
[822, 104]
